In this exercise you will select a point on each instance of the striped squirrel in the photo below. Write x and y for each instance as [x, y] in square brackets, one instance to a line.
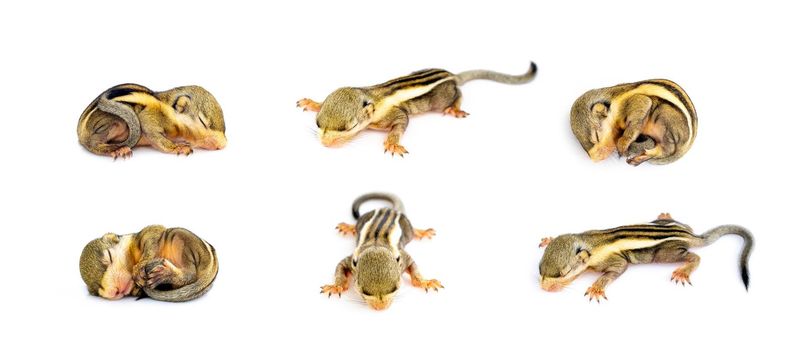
[379, 260]
[651, 120]
[388, 106]
[173, 121]
[164, 264]
[610, 251]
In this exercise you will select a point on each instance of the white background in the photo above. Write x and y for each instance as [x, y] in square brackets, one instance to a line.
[491, 185]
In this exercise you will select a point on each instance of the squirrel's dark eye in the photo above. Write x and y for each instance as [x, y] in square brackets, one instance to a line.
[365, 103]
[398, 259]
[578, 250]
[109, 254]
[355, 262]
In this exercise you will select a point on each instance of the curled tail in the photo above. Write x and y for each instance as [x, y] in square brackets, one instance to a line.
[104, 104]
[205, 276]
[397, 205]
[464, 77]
[714, 234]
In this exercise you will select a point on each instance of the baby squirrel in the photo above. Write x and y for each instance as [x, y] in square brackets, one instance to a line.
[379, 259]
[610, 251]
[389, 105]
[166, 264]
[651, 120]
[173, 121]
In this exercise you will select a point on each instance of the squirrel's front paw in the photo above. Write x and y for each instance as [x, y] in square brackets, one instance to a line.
[394, 149]
[139, 274]
[595, 293]
[308, 104]
[427, 284]
[158, 272]
[183, 150]
[333, 289]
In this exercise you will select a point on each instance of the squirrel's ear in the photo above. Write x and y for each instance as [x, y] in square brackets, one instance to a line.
[181, 104]
[545, 242]
[583, 255]
[111, 238]
[600, 110]
[368, 108]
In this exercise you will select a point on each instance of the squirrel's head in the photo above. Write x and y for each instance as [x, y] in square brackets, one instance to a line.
[106, 266]
[592, 126]
[198, 105]
[564, 259]
[378, 276]
[343, 114]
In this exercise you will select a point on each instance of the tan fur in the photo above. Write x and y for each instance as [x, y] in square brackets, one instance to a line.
[173, 121]
[379, 259]
[651, 120]
[388, 106]
[610, 251]
[165, 264]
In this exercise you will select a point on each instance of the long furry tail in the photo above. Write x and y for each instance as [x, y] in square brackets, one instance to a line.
[714, 234]
[464, 77]
[397, 205]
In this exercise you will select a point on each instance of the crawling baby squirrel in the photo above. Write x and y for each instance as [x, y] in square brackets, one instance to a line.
[388, 106]
[663, 240]
[379, 260]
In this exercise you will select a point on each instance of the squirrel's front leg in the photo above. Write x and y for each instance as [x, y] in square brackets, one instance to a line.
[341, 278]
[399, 120]
[615, 267]
[417, 278]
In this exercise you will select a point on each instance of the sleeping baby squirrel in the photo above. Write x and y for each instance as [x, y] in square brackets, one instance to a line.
[610, 251]
[173, 121]
[388, 106]
[379, 260]
[164, 264]
[651, 120]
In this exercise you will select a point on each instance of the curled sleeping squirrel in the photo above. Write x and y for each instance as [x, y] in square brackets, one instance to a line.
[651, 120]
[379, 260]
[173, 121]
[610, 251]
[388, 106]
[164, 264]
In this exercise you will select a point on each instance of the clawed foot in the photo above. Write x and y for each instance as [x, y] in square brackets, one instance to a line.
[158, 273]
[545, 242]
[183, 149]
[395, 149]
[680, 276]
[346, 229]
[332, 289]
[638, 159]
[595, 293]
[427, 233]
[139, 275]
[308, 105]
[456, 112]
[122, 153]
[427, 284]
